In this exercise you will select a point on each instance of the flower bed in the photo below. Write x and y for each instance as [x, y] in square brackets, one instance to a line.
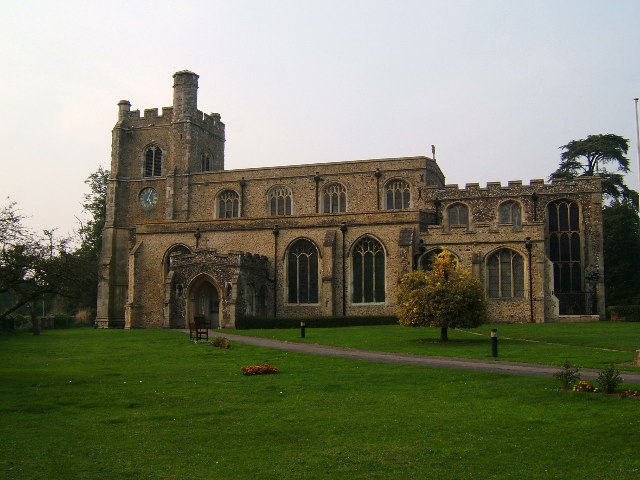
[258, 369]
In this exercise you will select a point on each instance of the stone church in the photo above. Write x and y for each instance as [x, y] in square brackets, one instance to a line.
[185, 237]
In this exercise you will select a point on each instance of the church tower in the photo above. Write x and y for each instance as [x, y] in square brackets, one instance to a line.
[154, 159]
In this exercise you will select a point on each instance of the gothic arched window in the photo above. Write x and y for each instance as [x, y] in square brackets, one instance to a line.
[228, 204]
[334, 198]
[153, 162]
[511, 213]
[302, 272]
[505, 274]
[426, 260]
[368, 271]
[458, 214]
[206, 162]
[397, 195]
[564, 246]
[279, 201]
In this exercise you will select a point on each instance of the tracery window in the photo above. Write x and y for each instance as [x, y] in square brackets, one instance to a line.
[564, 246]
[505, 274]
[398, 195]
[228, 204]
[206, 162]
[302, 272]
[334, 198]
[426, 260]
[279, 201]
[511, 213]
[368, 271]
[458, 214]
[153, 162]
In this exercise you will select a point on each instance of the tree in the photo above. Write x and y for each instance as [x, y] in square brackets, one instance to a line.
[95, 203]
[621, 245]
[590, 156]
[445, 296]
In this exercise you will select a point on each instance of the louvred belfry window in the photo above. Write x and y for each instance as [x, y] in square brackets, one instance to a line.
[153, 162]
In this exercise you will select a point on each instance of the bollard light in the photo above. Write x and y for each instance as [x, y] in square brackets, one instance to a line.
[494, 342]
[302, 329]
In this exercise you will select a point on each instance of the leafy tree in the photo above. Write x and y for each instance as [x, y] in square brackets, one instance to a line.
[31, 266]
[445, 296]
[95, 203]
[590, 156]
[621, 245]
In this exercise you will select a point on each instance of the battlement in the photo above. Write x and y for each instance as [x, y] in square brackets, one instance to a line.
[516, 187]
[151, 116]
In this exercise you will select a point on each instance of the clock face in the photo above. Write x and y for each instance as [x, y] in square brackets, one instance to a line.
[148, 198]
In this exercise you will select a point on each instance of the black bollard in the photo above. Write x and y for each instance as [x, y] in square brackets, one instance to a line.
[302, 328]
[494, 342]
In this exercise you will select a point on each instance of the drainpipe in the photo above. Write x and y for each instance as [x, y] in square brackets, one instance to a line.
[317, 179]
[276, 232]
[243, 184]
[343, 229]
[377, 174]
[534, 198]
[528, 245]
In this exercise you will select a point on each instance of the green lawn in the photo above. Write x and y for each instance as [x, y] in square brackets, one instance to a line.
[147, 404]
[589, 345]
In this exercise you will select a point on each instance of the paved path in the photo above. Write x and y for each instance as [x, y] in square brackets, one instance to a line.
[511, 368]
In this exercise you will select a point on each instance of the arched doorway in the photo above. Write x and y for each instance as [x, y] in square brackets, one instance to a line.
[204, 300]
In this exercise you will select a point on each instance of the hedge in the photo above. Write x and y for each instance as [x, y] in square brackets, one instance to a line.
[625, 313]
[246, 323]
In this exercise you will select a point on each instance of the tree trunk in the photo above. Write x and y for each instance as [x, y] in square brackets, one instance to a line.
[444, 334]
[35, 320]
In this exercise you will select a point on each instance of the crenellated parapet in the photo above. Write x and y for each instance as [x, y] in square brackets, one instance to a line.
[513, 188]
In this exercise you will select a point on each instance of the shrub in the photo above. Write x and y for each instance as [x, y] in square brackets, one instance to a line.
[567, 374]
[258, 369]
[447, 296]
[220, 342]
[630, 313]
[609, 379]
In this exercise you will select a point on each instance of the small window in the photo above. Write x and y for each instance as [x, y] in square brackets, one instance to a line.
[511, 213]
[505, 272]
[458, 214]
[302, 272]
[206, 162]
[279, 201]
[153, 162]
[398, 195]
[368, 272]
[228, 204]
[334, 198]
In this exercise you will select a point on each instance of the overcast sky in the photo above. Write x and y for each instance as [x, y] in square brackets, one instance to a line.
[497, 86]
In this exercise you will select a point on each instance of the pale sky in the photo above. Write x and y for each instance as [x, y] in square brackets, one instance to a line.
[496, 85]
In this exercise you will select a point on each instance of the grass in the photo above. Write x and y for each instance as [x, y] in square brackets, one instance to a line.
[589, 345]
[105, 404]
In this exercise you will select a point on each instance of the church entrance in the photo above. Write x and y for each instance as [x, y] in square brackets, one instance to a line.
[205, 302]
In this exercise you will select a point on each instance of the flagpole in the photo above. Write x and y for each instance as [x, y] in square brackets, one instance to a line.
[637, 140]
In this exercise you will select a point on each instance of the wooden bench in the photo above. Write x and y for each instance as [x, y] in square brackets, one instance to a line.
[198, 328]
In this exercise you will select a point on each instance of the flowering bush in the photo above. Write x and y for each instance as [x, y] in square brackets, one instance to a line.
[220, 342]
[631, 393]
[258, 369]
[584, 386]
